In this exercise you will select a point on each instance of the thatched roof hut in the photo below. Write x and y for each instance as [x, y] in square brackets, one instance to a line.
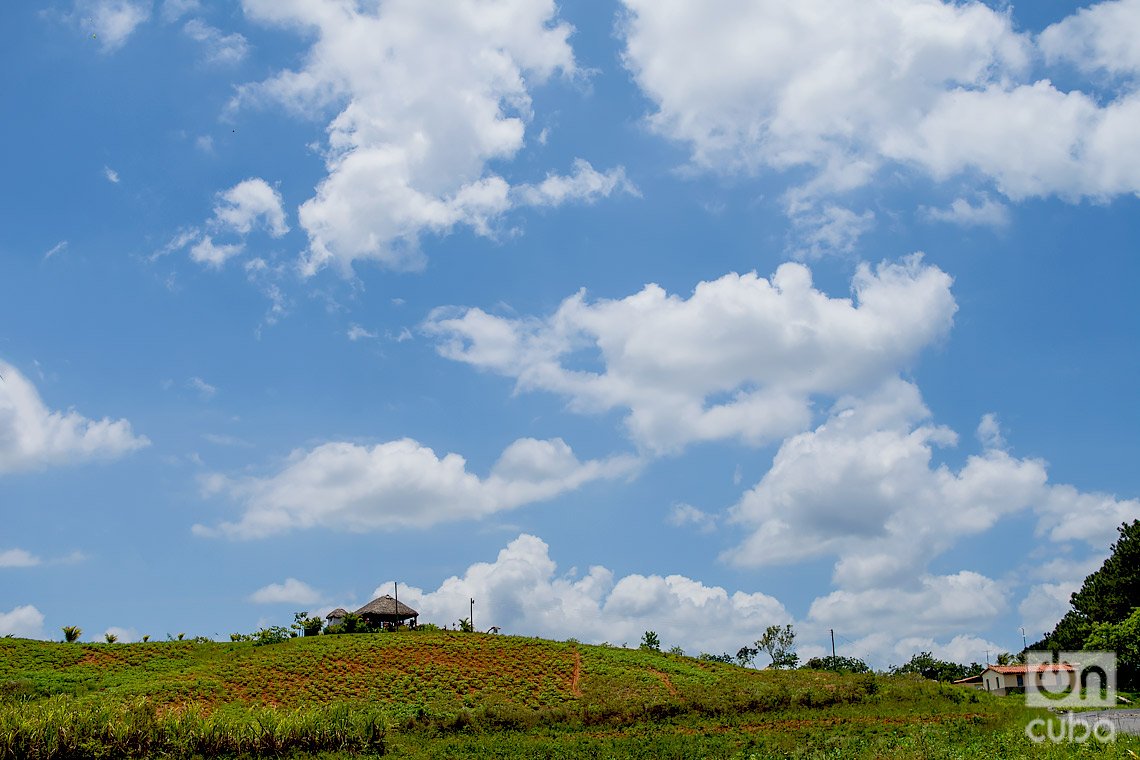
[336, 615]
[386, 610]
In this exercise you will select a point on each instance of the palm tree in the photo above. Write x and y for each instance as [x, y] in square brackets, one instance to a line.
[110, 637]
[71, 633]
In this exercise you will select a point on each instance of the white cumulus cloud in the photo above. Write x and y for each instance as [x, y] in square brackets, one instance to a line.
[862, 487]
[25, 622]
[841, 91]
[250, 203]
[401, 484]
[1101, 36]
[33, 436]
[935, 605]
[18, 558]
[220, 48]
[110, 22]
[742, 357]
[522, 591]
[585, 184]
[292, 591]
[986, 213]
[212, 254]
[426, 96]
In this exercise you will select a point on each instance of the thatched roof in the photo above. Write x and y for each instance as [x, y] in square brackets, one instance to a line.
[388, 607]
[339, 612]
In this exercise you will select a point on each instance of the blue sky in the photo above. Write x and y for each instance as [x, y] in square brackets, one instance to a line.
[614, 316]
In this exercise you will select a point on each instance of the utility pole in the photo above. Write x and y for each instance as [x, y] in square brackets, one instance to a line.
[471, 616]
[396, 588]
[1024, 646]
[832, 641]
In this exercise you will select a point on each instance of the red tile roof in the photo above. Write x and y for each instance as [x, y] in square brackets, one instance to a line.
[969, 679]
[1006, 670]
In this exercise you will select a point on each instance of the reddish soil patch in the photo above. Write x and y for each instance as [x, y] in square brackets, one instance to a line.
[664, 678]
[575, 681]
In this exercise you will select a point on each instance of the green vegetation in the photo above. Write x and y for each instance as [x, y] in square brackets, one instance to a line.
[838, 664]
[926, 665]
[1105, 611]
[449, 694]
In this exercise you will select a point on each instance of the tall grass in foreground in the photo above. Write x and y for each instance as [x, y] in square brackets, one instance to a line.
[62, 728]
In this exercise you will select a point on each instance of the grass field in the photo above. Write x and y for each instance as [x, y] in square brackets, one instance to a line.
[448, 694]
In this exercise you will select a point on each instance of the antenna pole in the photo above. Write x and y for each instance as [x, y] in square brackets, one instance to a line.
[832, 641]
[471, 615]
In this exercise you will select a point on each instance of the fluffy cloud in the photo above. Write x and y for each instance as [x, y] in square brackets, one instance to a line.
[212, 254]
[965, 601]
[223, 49]
[110, 22]
[522, 592]
[686, 514]
[426, 95]
[862, 487]
[248, 205]
[292, 591]
[18, 558]
[32, 436]
[987, 213]
[1098, 37]
[882, 650]
[585, 184]
[25, 622]
[771, 84]
[401, 484]
[843, 90]
[742, 357]
[828, 230]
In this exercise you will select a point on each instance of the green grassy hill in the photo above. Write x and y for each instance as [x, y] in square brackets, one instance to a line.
[434, 694]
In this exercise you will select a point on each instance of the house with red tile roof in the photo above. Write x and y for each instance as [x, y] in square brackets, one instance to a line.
[1006, 679]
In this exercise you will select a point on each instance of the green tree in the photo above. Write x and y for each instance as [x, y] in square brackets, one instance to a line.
[275, 634]
[110, 637]
[837, 664]
[650, 641]
[1110, 594]
[1124, 639]
[928, 666]
[352, 623]
[71, 633]
[305, 625]
[780, 644]
[746, 655]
